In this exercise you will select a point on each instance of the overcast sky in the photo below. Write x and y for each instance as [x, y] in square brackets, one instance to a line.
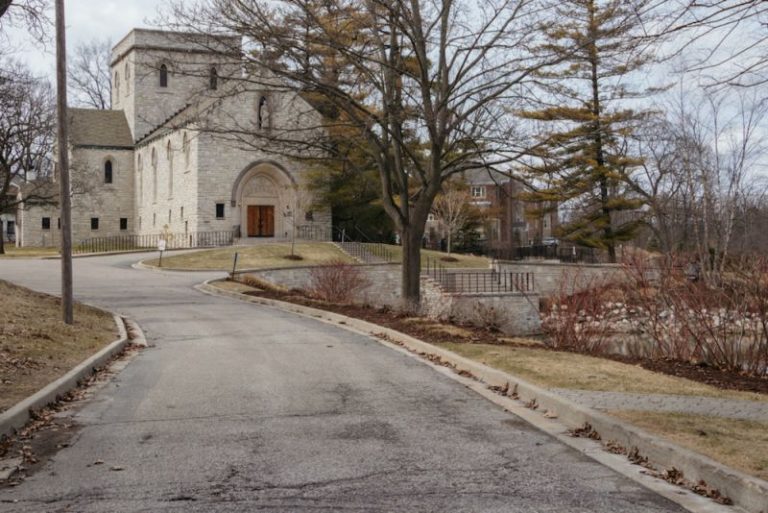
[86, 20]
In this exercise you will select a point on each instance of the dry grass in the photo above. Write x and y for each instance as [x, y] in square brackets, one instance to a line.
[741, 444]
[463, 261]
[262, 256]
[553, 369]
[14, 252]
[36, 347]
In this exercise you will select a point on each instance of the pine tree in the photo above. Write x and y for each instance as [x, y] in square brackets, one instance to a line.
[581, 158]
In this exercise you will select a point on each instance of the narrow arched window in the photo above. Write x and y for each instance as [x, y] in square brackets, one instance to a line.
[127, 79]
[108, 171]
[154, 175]
[263, 115]
[117, 85]
[214, 79]
[163, 75]
[185, 150]
[169, 156]
[140, 165]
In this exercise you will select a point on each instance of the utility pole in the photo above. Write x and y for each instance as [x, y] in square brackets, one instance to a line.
[63, 158]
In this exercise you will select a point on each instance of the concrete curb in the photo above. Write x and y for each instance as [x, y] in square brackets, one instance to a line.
[17, 416]
[745, 491]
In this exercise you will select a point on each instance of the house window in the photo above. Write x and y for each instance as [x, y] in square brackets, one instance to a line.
[117, 86]
[219, 210]
[169, 215]
[94, 223]
[163, 75]
[154, 220]
[309, 215]
[127, 79]
[181, 213]
[58, 223]
[478, 191]
[214, 79]
[108, 171]
[123, 223]
[46, 223]
[263, 118]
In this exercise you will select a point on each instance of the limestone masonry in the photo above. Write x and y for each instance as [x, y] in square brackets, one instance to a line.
[184, 149]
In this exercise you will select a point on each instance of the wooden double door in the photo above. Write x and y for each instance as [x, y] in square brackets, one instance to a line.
[261, 221]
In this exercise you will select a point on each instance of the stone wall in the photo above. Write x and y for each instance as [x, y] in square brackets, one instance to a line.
[515, 313]
[384, 288]
[91, 198]
[552, 277]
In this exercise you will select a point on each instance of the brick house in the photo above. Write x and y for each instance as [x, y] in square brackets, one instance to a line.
[508, 221]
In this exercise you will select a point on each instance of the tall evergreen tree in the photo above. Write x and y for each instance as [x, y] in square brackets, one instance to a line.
[582, 161]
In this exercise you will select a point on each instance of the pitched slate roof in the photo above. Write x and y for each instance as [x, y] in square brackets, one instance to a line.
[100, 128]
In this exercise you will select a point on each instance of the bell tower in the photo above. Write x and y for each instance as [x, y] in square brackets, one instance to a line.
[156, 73]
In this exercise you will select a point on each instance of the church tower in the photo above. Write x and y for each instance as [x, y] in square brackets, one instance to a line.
[155, 74]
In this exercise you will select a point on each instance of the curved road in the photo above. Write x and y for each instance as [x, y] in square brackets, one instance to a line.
[244, 408]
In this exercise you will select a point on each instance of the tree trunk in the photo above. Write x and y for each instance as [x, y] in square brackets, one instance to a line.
[2, 240]
[411, 270]
[450, 241]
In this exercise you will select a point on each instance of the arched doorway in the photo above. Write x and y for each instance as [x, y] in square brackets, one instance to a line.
[264, 199]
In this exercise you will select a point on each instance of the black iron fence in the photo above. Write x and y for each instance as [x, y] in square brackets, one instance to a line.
[371, 252]
[151, 241]
[550, 252]
[480, 280]
[314, 233]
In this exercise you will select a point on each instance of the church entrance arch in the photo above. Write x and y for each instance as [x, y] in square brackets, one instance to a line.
[265, 197]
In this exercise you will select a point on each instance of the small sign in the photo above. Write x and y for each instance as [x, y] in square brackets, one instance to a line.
[161, 245]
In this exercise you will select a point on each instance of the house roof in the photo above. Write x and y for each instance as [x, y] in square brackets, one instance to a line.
[484, 176]
[100, 128]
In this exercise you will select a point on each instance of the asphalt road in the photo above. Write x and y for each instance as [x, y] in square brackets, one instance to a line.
[244, 408]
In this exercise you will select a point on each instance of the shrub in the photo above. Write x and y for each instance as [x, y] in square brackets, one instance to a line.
[721, 322]
[579, 321]
[488, 317]
[337, 282]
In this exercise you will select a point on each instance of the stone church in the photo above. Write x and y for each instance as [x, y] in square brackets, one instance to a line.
[177, 153]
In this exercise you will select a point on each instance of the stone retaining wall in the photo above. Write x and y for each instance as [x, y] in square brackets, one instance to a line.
[551, 277]
[514, 313]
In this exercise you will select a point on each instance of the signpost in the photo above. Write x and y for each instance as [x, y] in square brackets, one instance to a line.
[161, 249]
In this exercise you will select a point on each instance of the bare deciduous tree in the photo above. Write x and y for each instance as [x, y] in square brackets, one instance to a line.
[26, 139]
[31, 13]
[732, 33]
[89, 78]
[702, 172]
[422, 88]
[452, 209]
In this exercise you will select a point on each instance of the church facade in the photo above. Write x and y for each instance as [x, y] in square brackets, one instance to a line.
[179, 153]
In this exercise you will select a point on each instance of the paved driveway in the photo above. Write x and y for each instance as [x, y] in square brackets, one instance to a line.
[245, 408]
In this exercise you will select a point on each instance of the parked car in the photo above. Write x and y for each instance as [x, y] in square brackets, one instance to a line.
[550, 241]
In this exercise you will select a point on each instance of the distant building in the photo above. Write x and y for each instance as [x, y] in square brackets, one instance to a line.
[508, 220]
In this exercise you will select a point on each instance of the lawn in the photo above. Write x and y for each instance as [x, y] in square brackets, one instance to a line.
[553, 369]
[462, 261]
[12, 251]
[741, 444]
[262, 256]
[36, 347]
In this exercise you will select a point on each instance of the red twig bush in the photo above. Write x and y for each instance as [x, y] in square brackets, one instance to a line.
[578, 320]
[337, 282]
